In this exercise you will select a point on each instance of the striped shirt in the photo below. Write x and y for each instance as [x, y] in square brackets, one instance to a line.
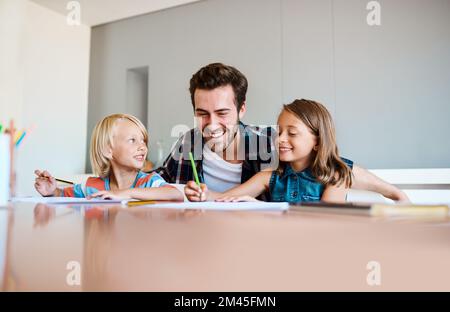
[96, 184]
[257, 151]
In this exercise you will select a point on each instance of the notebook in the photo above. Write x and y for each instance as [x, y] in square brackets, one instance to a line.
[376, 210]
[279, 206]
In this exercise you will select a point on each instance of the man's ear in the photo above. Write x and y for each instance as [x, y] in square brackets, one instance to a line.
[242, 111]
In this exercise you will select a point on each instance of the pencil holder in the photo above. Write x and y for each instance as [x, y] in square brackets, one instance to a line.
[5, 169]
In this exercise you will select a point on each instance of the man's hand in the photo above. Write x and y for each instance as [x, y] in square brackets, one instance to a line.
[196, 193]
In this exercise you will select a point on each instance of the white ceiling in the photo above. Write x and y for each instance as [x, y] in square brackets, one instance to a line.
[96, 12]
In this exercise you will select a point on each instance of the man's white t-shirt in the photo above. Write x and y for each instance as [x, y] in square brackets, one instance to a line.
[219, 174]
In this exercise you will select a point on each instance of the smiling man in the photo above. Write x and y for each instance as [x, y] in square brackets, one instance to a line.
[228, 152]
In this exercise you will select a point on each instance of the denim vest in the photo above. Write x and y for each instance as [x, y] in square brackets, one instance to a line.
[294, 186]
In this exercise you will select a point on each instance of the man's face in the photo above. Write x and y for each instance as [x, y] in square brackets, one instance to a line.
[217, 117]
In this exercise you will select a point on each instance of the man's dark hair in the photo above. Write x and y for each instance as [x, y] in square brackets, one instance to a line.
[219, 75]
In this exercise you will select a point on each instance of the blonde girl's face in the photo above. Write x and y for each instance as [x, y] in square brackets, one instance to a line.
[295, 140]
[129, 149]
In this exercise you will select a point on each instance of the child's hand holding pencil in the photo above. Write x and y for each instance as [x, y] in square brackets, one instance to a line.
[45, 183]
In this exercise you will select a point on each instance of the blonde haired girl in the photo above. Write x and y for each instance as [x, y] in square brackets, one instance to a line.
[118, 152]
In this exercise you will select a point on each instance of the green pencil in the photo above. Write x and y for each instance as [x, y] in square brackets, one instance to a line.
[194, 169]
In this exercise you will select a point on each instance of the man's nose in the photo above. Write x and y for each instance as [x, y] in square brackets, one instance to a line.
[209, 121]
[213, 120]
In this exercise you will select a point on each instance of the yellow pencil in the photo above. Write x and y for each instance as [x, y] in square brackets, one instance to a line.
[140, 202]
[17, 136]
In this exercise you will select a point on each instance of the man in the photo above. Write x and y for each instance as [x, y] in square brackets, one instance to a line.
[228, 152]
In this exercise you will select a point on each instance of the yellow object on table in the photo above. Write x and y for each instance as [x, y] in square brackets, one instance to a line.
[384, 210]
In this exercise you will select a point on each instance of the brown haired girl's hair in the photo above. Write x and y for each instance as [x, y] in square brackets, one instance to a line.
[327, 166]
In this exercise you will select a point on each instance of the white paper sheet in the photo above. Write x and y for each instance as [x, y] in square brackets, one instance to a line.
[63, 200]
[221, 206]
[184, 205]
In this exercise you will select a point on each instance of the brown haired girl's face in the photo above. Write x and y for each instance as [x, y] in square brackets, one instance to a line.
[129, 147]
[295, 141]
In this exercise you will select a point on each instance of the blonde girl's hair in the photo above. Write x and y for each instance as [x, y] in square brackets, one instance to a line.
[327, 167]
[102, 139]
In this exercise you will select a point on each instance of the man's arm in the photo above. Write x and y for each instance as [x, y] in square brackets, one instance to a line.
[169, 170]
[365, 180]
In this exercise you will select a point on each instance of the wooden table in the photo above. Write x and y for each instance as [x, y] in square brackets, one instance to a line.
[107, 247]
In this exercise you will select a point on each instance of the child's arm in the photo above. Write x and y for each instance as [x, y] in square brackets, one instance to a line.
[152, 187]
[254, 187]
[335, 193]
[45, 184]
[166, 192]
[364, 180]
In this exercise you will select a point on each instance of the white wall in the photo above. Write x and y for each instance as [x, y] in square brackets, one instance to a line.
[11, 69]
[387, 86]
[44, 85]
